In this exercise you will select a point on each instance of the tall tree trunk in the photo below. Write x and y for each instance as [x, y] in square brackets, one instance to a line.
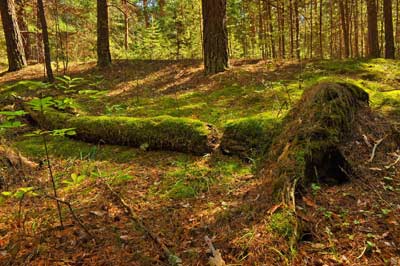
[23, 26]
[296, 14]
[45, 34]
[356, 31]
[345, 27]
[291, 29]
[15, 48]
[321, 46]
[103, 38]
[261, 31]
[373, 37]
[126, 24]
[215, 40]
[311, 29]
[270, 27]
[389, 38]
[146, 14]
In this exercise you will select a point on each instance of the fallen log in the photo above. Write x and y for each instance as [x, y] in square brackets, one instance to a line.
[157, 133]
[308, 148]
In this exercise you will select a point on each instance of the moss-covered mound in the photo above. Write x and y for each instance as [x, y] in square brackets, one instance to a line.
[308, 149]
[249, 137]
[158, 133]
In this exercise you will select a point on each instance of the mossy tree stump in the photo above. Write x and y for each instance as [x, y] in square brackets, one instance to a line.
[308, 148]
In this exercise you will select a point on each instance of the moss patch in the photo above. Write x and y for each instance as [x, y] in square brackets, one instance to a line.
[249, 137]
[158, 133]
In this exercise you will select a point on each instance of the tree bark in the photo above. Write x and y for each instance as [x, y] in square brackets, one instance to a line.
[103, 35]
[15, 48]
[389, 38]
[45, 34]
[373, 40]
[215, 39]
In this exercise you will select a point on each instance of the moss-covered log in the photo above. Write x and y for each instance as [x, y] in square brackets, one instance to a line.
[158, 133]
[308, 148]
[249, 137]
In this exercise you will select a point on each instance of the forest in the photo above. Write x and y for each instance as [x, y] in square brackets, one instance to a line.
[200, 132]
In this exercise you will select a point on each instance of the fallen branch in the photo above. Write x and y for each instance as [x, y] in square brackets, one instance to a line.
[377, 143]
[393, 164]
[172, 258]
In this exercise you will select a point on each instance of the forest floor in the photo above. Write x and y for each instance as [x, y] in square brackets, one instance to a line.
[183, 198]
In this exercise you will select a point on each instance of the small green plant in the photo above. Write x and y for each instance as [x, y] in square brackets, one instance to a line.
[115, 109]
[93, 94]
[68, 84]
[75, 180]
[9, 119]
[65, 104]
[315, 188]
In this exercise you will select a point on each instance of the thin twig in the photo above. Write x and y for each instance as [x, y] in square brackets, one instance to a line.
[393, 164]
[367, 141]
[50, 169]
[172, 258]
[76, 218]
[374, 150]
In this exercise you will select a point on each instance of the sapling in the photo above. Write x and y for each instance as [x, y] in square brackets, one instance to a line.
[40, 105]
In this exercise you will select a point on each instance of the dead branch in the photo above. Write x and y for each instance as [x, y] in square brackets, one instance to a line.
[74, 216]
[377, 143]
[172, 258]
[394, 163]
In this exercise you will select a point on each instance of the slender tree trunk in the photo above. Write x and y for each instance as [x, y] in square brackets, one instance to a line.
[345, 28]
[215, 40]
[331, 28]
[126, 24]
[321, 46]
[23, 26]
[296, 13]
[103, 38]
[15, 48]
[146, 14]
[389, 38]
[261, 30]
[356, 31]
[311, 29]
[46, 44]
[373, 37]
[271, 27]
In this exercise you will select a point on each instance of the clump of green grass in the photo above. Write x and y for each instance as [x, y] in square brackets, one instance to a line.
[282, 223]
[188, 179]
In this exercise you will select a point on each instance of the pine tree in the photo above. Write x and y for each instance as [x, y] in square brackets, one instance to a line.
[15, 47]
[215, 39]
[103, 35]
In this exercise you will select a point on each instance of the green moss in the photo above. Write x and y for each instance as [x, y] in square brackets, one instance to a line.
[188, 179]
[249, 136]
[161, 133]
[63, 147]
[283, 223]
